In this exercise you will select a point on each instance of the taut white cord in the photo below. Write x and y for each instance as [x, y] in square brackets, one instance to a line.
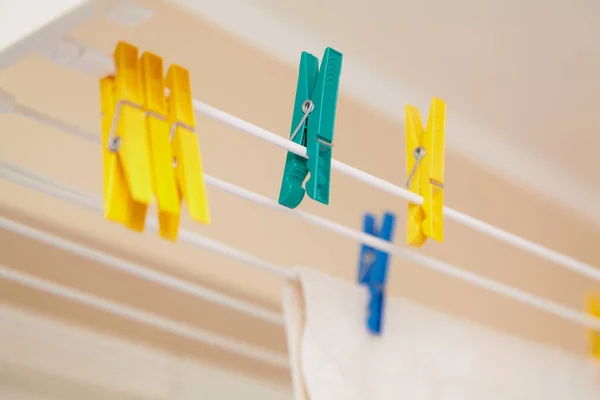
[146, 318]
[36, 182]
[480, 226]
[61, 191]
[371, 180]
[143, 272]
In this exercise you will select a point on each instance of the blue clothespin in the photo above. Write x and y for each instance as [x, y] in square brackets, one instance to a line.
[312, 127]
[372, 268]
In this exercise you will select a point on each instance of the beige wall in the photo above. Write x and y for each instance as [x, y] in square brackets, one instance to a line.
[232, 76]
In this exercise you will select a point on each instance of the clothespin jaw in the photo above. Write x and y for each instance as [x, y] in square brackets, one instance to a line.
[164, 183]
[372, 268]
[425, 153]
[127, 179]
[594, 310]
[313, 124]
[186, 147]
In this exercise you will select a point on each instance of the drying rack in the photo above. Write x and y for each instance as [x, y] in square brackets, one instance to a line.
[60, 16]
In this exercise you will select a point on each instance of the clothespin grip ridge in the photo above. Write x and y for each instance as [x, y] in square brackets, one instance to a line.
[313, 123]
[425, 153]
[373, 266]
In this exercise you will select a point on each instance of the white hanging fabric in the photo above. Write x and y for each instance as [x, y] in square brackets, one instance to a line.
[422, 354]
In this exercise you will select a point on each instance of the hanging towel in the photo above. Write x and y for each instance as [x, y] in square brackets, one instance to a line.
[421, 355]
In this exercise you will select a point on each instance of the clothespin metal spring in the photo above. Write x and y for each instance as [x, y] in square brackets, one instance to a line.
[368, 259]
[419, 153]
[114, 141]
[307, 107]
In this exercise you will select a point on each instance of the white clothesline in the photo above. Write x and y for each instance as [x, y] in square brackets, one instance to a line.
[146, 318]
[462, 218]
[480, 226]
[41, 184]
[146, 273]
[44, 185]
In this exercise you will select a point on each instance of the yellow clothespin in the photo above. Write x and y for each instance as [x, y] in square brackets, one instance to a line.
[425, 171]
[164, 183]
[594, 309]
[127, 179]
[184, 141]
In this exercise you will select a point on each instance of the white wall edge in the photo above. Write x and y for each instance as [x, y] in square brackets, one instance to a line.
[25, 24]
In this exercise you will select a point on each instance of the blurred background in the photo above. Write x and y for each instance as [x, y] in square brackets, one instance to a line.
[520, 80]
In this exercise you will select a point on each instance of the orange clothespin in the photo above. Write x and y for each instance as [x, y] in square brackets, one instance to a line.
[127, 179]
[425, 151]
[594, 334]
[185, 144]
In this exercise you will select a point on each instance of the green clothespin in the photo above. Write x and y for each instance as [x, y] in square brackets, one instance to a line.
[312, 127]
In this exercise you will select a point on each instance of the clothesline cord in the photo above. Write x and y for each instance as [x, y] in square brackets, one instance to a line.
[145, 273]
[146, 318]
[462, 218]
[36, 182]
[483, 227]
[507, 237]
[31, 180]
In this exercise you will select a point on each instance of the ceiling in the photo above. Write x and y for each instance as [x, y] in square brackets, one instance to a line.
[520, 76]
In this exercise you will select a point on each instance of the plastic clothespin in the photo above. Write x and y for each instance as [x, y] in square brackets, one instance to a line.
[372, 268]
[164, 182]
[185, 144]
[425, 151]
[594, 310]
[313, 123]
[126, 160]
